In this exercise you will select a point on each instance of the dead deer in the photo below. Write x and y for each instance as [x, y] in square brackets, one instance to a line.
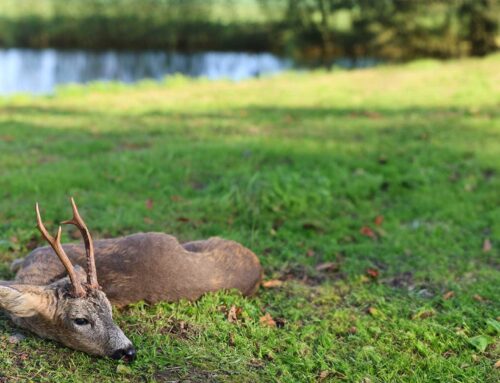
[58, 300]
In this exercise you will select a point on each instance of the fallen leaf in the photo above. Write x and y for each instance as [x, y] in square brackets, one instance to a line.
[448, 295]
[272, 283]
[327, 266]
[232, 315]
[373, 273]
[310, 253]
[379, 219]
[478, 298]
[480, 342]
[267, 320]
[352, 330]
[183, 219]
[23, 356]
[367, 232]
[323, 375]
[487, 245]
[149, 204]
[497, 364]
[424, 314]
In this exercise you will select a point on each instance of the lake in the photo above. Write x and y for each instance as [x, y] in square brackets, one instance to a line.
[41, 71]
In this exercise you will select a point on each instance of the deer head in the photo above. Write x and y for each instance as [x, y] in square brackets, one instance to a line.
[73, 310]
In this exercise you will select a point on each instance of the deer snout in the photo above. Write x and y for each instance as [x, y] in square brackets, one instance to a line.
[127, 354]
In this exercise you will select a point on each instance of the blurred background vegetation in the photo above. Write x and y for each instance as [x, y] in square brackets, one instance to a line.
[313, 30]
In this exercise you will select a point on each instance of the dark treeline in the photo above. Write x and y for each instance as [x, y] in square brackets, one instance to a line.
[312, 29]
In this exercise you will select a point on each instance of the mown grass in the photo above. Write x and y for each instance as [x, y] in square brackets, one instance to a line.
[298, 168]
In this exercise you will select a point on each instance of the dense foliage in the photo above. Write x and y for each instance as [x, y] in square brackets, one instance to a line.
[312, 29]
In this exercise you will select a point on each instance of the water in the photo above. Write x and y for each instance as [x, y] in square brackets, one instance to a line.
[40, 71]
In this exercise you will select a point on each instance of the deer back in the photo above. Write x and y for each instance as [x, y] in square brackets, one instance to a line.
[154, 267]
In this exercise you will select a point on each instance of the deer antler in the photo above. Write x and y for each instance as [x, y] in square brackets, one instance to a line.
[89, 245]
[55, 243]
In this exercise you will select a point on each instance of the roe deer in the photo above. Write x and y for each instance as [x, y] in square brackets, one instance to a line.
[76, 311]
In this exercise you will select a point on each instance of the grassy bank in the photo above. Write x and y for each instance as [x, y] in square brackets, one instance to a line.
[373, 195]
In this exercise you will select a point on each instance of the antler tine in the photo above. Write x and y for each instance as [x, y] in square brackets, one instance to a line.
[89, 245]
[55, 243]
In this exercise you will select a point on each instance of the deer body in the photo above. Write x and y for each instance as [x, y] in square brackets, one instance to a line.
[59, 297]
[153, 267]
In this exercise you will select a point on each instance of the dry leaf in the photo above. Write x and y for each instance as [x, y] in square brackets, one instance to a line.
[424, 314]
[379, 219]
[232, 315]
[267, 320]
[310, 253]
[327, 266]
[149, 204]
[183, 219]
[323, 375]
[272, 283]
[478, 298]
[367, 232]
[497, 364]
[373, 311]
[486, 245]
[352, 330]
[23, 356]
[448, 295]
[373, 273]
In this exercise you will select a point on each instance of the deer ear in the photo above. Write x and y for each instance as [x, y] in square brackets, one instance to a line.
[24, 300]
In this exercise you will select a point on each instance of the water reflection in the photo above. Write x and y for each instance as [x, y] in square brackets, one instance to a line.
[39, 71]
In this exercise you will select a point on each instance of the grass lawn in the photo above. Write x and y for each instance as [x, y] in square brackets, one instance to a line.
[374, 195]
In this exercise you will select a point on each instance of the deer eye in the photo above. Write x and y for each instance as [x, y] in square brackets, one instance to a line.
[81, 321]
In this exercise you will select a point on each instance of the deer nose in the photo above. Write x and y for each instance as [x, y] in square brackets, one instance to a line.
[127, 354]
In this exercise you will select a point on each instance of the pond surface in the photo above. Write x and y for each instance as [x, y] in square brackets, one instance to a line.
[40, 71]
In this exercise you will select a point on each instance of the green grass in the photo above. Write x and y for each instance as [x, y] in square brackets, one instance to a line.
[293, 167]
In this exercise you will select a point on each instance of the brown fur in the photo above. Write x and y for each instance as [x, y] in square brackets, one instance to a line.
[153, 267]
